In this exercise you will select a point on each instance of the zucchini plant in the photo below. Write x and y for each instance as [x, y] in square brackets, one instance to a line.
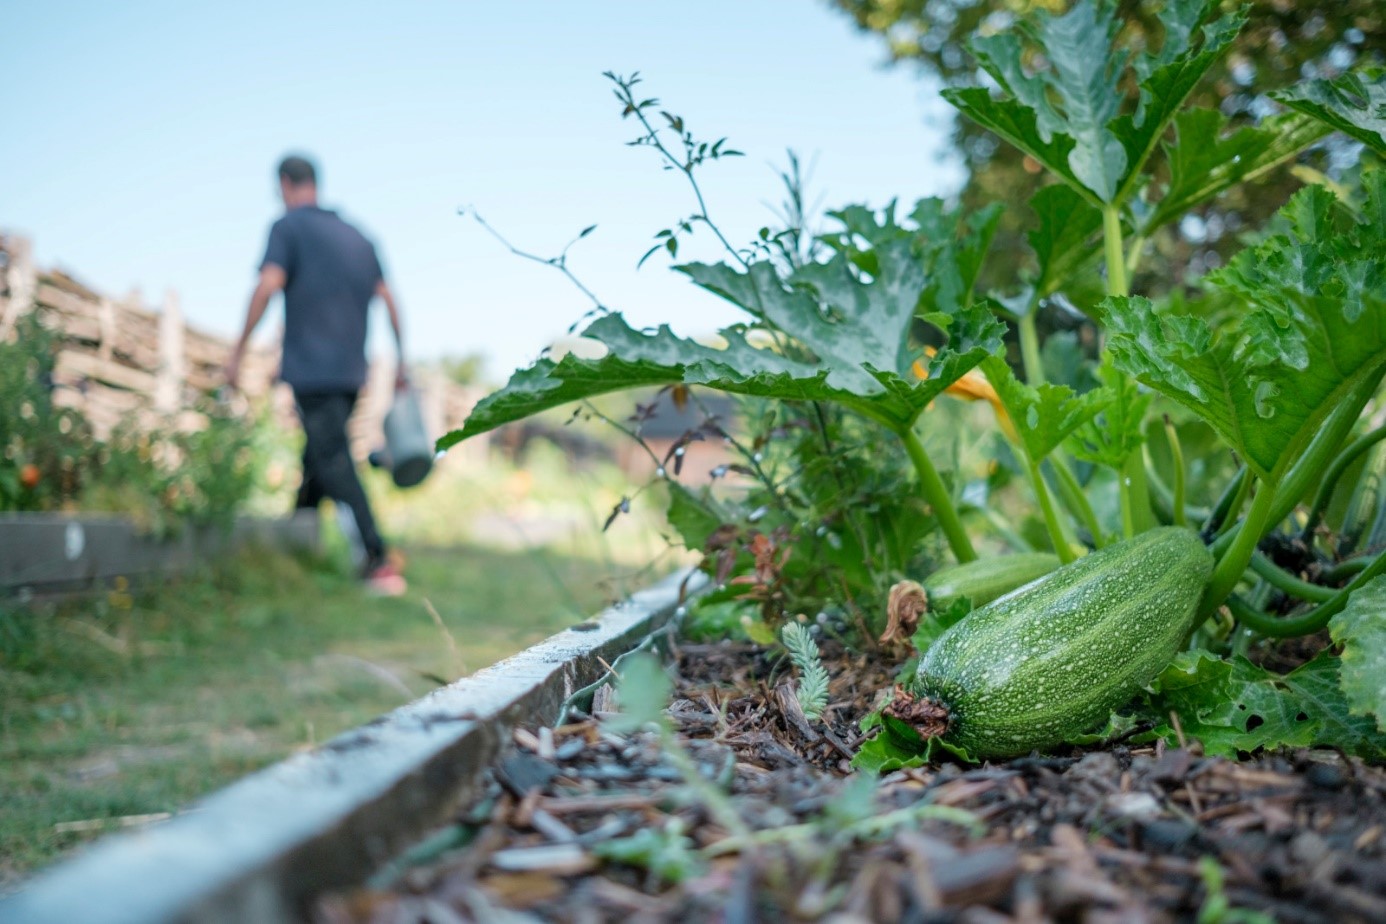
[1139, 600]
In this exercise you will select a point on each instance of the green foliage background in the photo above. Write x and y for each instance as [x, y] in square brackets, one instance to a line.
[1280, 44]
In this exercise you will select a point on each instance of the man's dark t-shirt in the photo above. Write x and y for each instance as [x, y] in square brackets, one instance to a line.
[332, 273]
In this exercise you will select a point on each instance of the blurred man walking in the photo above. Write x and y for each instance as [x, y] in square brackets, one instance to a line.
[329, 273]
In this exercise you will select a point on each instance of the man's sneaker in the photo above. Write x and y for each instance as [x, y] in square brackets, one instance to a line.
[385, 580]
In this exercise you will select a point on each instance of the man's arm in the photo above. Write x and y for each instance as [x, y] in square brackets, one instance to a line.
[272, 280]
[382, 288]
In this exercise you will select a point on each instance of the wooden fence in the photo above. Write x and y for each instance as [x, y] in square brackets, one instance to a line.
[120, 360]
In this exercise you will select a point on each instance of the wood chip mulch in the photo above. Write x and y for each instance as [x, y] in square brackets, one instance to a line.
[1118, 835]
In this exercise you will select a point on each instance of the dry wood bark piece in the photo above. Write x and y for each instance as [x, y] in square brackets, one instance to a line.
[906, 605]
[558, 859]
[977, 877]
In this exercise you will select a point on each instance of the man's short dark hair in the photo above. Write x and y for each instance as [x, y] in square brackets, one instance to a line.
[298, 170]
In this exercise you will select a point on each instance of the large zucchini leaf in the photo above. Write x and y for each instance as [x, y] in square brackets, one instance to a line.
[1310, 335]
[1232, 705]
[1361, 629]
[828, 332]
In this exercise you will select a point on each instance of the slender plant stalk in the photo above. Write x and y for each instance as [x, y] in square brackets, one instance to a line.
[653, 139]
[865, 829]
[1346, 568]
[1238, 555]
[937, 496]
[1133, 254]
[1289, 583]
[1224, 540]
[1305, 623]
[1176, 451]
[1234, 509]
[1071, 492]
[1326, 444]
[1335, 472]
[1128, 520]
[1162, 498]
[1264, 512]
[1116, 260]
[1222, 509]
[1003, 529]
[1062, 547]
[1137, 492]
[1029, 348]
[763, 837]
[559, 262]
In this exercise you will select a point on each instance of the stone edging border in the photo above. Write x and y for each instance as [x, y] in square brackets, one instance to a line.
[48, 553]
[262, 848]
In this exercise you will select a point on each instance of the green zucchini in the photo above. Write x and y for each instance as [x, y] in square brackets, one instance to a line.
[1036, 667]
[984, 580]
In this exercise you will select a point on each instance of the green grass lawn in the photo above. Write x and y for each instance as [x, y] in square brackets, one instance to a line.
[123, 705]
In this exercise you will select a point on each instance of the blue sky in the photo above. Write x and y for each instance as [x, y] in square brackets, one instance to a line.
[141, 139]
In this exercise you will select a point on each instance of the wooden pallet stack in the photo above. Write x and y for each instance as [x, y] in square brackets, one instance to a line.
[121, 361]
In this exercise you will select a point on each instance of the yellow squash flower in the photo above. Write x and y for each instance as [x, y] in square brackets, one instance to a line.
[973, 386]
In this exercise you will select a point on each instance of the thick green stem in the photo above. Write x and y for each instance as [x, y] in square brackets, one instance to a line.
[1224, 540]
[1176, 452]
[1116, 260]
[1334, 431]
[1128, 520]
[1062, 547]
[1003, 529]
[1234, 561]
[1030, 348]
[1234, 509]
[937, 495]
[1162, 499]
[1223, 510]
[1346, 568]
[1305, 623]
[1136, 492]
[1071, 492]
[1289, 583]
[1335, 472]
[1133, 254]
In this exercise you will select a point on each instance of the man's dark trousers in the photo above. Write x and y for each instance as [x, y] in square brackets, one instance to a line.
[327, 467]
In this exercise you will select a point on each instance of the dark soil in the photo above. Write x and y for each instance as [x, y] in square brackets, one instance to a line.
[1121, 835]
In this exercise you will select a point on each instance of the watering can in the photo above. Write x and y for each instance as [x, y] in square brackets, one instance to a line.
[408, 449]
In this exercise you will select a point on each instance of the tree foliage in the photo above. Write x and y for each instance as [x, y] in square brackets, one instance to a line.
[1280, 44]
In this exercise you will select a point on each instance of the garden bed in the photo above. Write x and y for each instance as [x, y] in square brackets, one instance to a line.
[44, 554]
[1148, 833]
[470, 804]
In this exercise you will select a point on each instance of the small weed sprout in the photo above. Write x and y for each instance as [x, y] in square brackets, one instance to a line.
[812, 691]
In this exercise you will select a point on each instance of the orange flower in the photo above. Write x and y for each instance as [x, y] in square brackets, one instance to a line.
[973, 386]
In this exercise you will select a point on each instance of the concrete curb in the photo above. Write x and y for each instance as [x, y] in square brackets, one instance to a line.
[262, 848]
[45, 553]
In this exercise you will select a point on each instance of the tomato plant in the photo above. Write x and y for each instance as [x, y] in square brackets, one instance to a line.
[162, 476]
[44, 460]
